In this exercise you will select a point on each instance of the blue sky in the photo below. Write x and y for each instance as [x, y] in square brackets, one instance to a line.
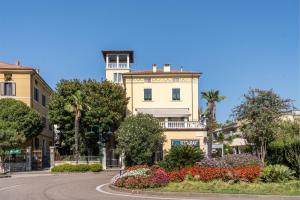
[236, 44]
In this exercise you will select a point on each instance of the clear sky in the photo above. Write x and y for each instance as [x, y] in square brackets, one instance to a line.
[236, 44]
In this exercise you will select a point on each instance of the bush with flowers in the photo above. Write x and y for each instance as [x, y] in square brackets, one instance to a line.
[140, 177]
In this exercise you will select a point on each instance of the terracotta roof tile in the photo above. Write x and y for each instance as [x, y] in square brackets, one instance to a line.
[145, 72]
[4, 65]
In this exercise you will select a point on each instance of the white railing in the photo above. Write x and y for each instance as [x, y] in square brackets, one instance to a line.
[117, 66]
[182, 124]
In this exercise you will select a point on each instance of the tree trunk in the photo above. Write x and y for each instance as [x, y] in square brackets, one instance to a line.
[76, 137]
[210, 115]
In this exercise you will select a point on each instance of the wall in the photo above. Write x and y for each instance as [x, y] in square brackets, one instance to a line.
[162, 94]
[22, 81]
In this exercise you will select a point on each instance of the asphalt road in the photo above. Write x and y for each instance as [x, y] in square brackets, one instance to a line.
[84, 187]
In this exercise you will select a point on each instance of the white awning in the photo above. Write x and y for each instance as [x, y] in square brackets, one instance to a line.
[165, 112]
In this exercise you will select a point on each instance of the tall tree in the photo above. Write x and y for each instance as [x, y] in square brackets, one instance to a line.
[76, 106]
[259, 112]
[211, 96]
[107, 102]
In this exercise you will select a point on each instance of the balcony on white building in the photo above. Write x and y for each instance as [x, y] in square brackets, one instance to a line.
[182, 124]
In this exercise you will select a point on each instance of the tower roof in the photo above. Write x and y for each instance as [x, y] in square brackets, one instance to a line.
[129, 52]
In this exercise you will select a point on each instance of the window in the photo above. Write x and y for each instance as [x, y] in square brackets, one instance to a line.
[147, 94]
[8, 89]
[36, 143]
[50, 127]
[43, 100]
[175, 94]
[147, 80]
[36, 94]
[117, 78]
[44, 120]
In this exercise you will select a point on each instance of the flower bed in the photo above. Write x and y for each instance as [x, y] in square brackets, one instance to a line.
[232, 168]
[145, 177]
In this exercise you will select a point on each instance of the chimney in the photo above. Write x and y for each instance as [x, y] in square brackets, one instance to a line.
[37, 70]
[154, 67]
[167, 67]
[18, 63]
[181, 69]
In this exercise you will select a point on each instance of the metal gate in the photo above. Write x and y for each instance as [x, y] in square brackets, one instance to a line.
[113, 159]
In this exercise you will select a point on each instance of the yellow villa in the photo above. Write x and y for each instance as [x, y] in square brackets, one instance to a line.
[169, 95]
[25, 84]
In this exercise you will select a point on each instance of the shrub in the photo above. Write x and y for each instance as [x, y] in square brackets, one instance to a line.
[231, 161]
[95, 167]
[77, 168]
[181, 156]
[277, 173]
[139, 137]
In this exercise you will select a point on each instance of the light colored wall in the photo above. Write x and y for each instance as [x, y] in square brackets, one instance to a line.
[184, 135]
[110, 73]
[25, 83]
[162, 94]
[22, 81]
[37, 83]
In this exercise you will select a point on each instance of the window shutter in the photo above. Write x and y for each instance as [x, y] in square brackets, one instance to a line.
[13, 89]
[2, 89]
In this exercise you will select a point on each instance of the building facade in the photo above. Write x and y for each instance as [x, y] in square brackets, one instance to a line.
[26, 85]
[169, 95]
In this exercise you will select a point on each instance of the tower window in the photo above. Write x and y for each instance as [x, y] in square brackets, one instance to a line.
[117, 77]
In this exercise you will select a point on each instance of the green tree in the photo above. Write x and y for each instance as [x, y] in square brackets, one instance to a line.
[76, 107]
[181, 156]
[18, 122]
[259, 112]
[139, 137]
[211, 96]
[107, 103]
[285, 149]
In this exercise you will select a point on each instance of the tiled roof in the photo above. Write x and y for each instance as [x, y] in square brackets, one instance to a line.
[146, 72]
[4, 65]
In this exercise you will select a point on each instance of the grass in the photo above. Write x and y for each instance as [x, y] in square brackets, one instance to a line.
[288, 188]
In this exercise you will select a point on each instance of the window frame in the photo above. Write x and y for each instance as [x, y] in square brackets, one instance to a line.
[176, 96]
[44, 100]
[36, 94]
[147, 95]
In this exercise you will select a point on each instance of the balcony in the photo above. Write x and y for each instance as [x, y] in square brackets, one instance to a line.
[117, 66]
[182, 125]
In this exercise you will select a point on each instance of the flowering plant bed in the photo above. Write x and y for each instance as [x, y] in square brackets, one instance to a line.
[139, 178]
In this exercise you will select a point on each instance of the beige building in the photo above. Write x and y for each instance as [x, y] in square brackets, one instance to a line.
[169, 95]
[25, 84]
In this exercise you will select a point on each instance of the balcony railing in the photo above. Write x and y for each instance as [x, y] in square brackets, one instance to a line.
[117, 66]
[182, 124]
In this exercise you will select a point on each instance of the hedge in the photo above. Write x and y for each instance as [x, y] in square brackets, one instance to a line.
[77, 168]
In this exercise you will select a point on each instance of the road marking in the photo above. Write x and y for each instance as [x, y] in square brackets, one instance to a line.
[99, 189]
[9, 187]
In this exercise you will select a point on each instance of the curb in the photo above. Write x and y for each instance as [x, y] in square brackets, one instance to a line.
[199, 194]
[5, 176]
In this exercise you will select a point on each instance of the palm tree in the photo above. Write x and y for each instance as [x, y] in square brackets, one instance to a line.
[211, 96]
[75, 107]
